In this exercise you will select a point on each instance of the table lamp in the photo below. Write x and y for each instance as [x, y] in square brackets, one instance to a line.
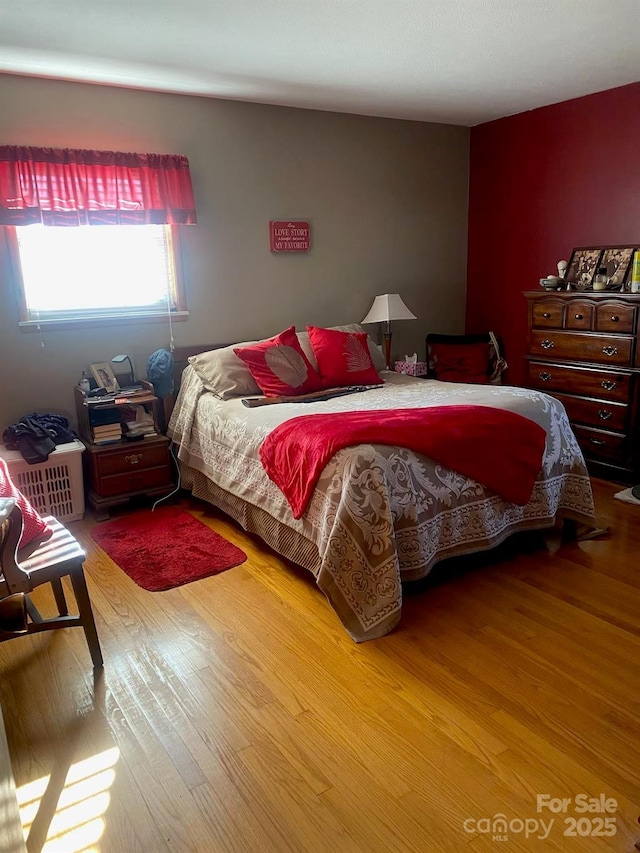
[119, 359]
[386, 308]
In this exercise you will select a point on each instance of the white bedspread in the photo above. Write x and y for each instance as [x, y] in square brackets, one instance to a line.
[380, 514]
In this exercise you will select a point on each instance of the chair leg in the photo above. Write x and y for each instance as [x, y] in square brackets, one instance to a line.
[32, 610]
[61, 601]
[86, 614]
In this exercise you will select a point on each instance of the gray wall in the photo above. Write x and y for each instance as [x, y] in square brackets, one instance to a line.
[387, 201]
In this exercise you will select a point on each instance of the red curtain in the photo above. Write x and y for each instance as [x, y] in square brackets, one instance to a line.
[66, 186]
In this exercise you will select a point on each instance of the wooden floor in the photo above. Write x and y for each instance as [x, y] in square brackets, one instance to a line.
[235, 714]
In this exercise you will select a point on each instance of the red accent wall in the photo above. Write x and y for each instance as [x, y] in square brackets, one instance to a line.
[541, 183]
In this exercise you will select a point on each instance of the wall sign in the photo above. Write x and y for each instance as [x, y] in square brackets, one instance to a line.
[285, 236]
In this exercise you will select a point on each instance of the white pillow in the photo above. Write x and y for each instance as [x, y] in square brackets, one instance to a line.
[223, 373]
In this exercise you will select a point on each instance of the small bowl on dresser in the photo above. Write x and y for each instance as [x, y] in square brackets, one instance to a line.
[551, 282]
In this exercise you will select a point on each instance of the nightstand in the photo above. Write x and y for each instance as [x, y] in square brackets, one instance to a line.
[118, 468]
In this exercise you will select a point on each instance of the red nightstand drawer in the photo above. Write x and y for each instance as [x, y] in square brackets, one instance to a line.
[133, 456]
[141, 480]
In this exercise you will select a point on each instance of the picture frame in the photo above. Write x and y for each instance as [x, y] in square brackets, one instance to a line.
[617, 260]
[582, 267]
[104, 376]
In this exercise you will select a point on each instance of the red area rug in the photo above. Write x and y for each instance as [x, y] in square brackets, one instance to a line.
[165, 548]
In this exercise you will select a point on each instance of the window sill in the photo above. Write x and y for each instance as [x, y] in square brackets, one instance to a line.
[106, 320]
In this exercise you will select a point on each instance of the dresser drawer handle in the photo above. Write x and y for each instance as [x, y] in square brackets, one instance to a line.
[608, 385]
[615, 319]
[610, 350]
[546, 315]
[546, 344]
[597, 441]
[133, 459]
[604, 415]
[579, 317]
[546, 377]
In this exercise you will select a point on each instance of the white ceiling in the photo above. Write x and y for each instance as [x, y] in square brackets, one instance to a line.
[456, 61]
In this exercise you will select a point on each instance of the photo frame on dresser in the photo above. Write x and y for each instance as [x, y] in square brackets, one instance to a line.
[617, 261]
[104, 376]
[582, 267]
[587, 260]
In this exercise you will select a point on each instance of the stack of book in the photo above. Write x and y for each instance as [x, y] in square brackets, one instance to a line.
[105, 425]
[106, 433]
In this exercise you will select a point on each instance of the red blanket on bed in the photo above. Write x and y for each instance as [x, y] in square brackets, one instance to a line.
[500, 449]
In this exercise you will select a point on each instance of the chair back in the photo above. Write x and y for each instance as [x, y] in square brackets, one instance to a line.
[10, 532]
[465, 358]
[13, 607]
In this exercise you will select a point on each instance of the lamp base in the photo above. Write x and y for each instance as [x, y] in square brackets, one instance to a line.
[387, 349]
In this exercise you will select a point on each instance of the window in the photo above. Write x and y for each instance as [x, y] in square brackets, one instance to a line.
[96, 272]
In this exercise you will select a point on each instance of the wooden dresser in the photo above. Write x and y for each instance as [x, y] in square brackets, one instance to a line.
[583, 349]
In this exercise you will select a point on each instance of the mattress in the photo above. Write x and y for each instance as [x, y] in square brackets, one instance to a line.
[379, 515]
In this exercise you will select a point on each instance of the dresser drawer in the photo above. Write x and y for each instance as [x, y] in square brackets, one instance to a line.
[578, 346]
[579, 316]
[139, 480]
[615, 317]
[590, 382]
[600, 445]
[134, 456]
[595, 413]
[547, 314]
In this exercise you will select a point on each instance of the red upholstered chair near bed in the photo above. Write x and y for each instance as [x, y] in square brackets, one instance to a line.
[465, 358]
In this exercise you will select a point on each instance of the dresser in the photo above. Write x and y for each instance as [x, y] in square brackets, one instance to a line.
[583, 349]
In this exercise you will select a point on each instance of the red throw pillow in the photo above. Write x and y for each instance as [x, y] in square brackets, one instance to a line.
[34, 526]
[280, 367]
[460, 362]
[343, 358]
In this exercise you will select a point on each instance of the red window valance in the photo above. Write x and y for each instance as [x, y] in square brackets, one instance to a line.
[67, 186]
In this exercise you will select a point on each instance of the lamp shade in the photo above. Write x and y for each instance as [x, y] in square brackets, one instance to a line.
[388, 307]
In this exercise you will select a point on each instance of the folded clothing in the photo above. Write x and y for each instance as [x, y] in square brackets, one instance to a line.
[32, 440]
[35, 436]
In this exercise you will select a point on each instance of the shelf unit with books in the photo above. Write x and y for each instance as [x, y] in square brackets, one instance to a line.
[126, 455]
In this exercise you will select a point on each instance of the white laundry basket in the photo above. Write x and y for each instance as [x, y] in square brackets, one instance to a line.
[54, 487]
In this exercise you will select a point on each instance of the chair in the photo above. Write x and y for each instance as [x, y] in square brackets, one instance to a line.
[48, 562]
[465, 358]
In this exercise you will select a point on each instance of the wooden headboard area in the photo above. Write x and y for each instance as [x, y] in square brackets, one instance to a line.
[181, 357]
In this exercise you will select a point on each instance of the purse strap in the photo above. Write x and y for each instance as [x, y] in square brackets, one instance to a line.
[501, 363]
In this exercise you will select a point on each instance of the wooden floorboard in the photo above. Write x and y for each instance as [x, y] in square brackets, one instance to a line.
[235, 714]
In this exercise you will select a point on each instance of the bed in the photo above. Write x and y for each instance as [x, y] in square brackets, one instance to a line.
[379, 515]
